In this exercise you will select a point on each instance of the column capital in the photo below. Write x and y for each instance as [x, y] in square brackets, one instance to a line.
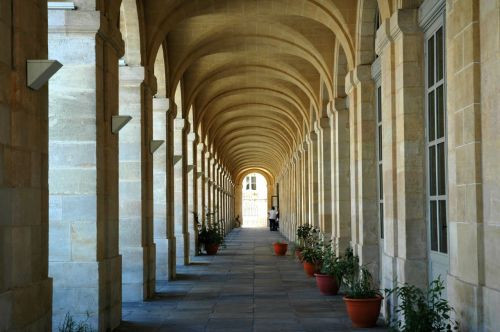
[313, 136]
[179, 123]
[161, 104]
[359, 74]
[402, 21]
[132, 75]
[340, 104]
[324, 123]
[191, 137]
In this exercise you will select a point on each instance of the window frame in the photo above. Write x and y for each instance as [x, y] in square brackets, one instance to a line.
[430, 32]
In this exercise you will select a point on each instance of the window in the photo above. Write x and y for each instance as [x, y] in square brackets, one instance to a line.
[251, 183]
[436, 141]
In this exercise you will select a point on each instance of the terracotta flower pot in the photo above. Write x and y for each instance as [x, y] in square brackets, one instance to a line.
[211, 248]
[310, 268]
[363, 312]
[327, 284]
[280, 248]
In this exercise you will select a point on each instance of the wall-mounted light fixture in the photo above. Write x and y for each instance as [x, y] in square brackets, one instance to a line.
[177, 158]
[154, 145]
[118, 122]
[38, 72]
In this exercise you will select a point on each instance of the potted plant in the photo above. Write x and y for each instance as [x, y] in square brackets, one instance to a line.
[210, 235]
[312, 256]
[280, 248]
[329, 278]
[362, 299]
[303, 233]
[420, 311]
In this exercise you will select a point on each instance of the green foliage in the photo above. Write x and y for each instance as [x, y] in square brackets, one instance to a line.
[358, 279]
[332, 265]
[304, 232]
[313, 253]
[69, 325]
[211, 232]
[421, 311]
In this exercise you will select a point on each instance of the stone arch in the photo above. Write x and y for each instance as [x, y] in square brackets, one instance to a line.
[329, 14]
[132, 27]
[365, 31]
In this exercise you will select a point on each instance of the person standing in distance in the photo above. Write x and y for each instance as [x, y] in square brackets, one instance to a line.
[273, 213]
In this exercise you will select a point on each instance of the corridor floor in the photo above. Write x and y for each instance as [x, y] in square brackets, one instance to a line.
[245, 287]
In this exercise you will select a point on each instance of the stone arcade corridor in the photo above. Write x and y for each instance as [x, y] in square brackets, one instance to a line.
[244, 288]
[127, 124]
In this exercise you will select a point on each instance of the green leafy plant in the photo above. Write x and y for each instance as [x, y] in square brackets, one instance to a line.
[211, 232]
[332, 265]
[69, 325]
[314, 248]
[421, 311]
[303, 234]
[358, 279]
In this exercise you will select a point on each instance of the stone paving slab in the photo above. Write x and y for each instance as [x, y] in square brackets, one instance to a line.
[245, 287]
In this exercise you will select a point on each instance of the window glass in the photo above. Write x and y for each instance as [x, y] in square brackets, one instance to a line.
[439, 54]
[430, 62]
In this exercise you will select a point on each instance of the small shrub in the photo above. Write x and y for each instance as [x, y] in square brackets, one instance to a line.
[421, 311]
[69, 325]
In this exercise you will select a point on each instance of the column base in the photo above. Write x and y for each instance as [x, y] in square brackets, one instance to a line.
[110, 293]
[187, 245]
[161, 259]
[172, 257]
[27, 308]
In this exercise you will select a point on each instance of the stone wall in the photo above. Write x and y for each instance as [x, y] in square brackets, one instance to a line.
[25, 289]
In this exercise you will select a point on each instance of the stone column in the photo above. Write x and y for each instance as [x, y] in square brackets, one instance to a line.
[208, 181]
[179, 162]
[83, 170]
[25, 288]
[306, 184]
[473, 162]
[314, 189]
[341, 179]
[403, 150]
[364, 220]
[190, 183]
[200, 180]
[299, 192]
[325, 135]
[160, 111]
[130, 179]
[171, 227]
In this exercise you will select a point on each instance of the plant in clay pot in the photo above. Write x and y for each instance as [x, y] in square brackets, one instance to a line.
[303, 233]
[312, 256]
[330, 276]
[280, 248]
[210, 235]
[420, 311]
[362, 299]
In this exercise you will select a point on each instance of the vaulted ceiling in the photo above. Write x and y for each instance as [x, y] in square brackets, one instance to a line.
[255, 73]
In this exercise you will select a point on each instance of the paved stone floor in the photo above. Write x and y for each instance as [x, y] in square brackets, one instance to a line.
[243, 288]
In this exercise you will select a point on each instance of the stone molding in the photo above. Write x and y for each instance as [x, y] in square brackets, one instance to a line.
[429, 11]
[161, 104]
[132, 75]
[339, 104]
[179, 124]
[324, 123]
